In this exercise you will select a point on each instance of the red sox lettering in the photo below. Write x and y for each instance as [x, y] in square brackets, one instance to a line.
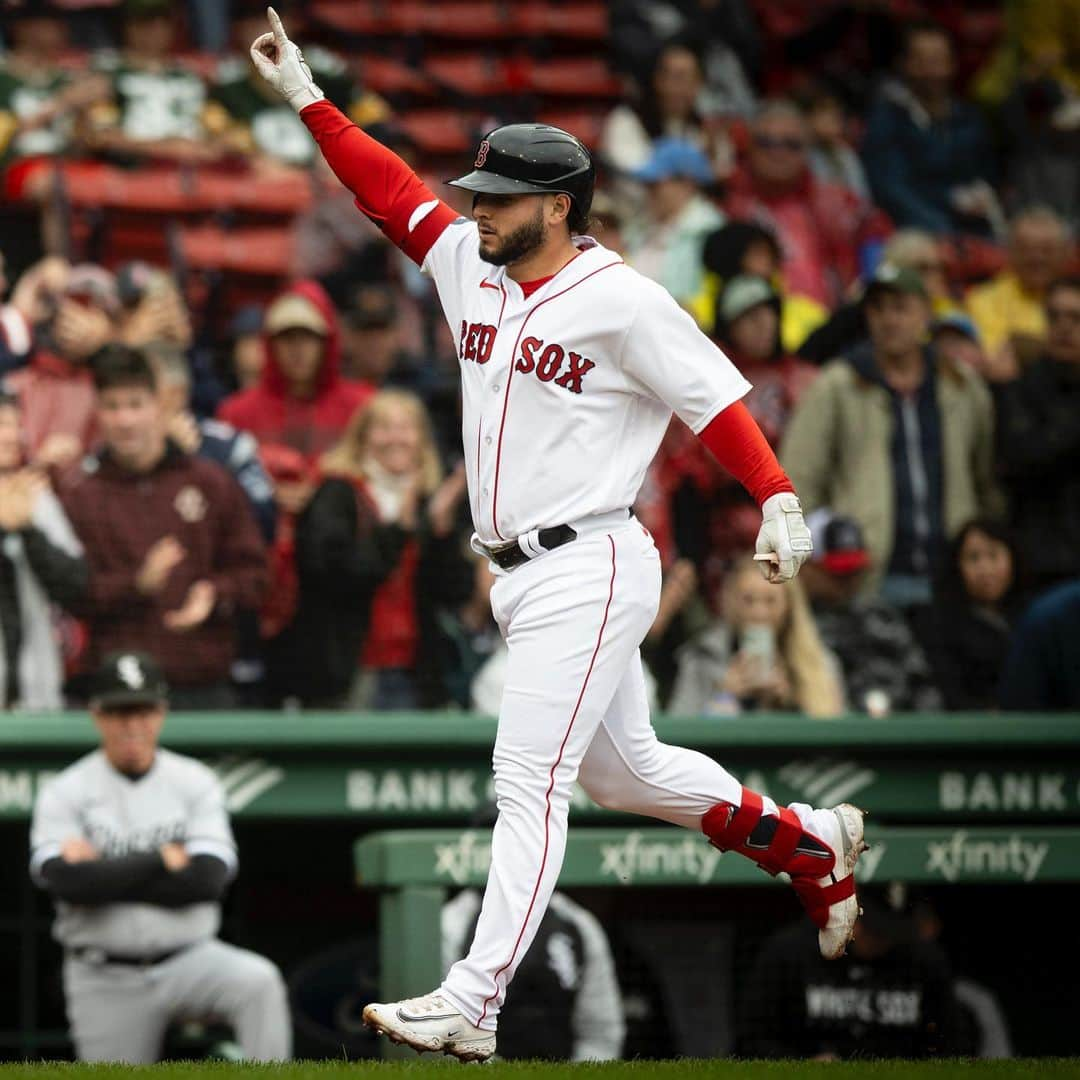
[547, 361]
[477, 341]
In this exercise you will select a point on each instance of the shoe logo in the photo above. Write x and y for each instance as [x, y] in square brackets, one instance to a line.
[453, 1034]
[826, 781]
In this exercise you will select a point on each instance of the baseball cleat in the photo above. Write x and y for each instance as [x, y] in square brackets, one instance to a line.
[834, 936]
[430, 1023]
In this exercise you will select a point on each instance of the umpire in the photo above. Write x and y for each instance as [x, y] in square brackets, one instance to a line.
[134, 845]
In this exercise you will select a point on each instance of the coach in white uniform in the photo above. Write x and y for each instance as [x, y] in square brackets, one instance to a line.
[133, 842]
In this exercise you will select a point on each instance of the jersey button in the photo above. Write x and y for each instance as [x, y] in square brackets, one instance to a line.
[487, 440]
[485, 492]
[496, 388]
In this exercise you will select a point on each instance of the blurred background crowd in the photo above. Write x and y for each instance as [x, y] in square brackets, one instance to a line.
[229, 421]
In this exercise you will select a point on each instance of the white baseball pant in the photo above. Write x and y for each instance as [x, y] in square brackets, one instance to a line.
[574, 707]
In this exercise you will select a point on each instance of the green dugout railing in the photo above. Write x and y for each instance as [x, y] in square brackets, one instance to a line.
[429, 767]
[413, 870]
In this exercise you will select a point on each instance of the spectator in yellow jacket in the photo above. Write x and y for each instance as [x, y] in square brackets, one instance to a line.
[1013, 301]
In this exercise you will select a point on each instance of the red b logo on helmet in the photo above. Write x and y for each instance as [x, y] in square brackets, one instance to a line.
[481, 154]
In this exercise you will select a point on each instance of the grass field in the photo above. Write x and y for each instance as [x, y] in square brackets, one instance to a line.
[1033, 1068]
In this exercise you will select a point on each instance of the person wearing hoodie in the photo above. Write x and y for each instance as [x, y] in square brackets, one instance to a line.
[173, 548]
[894, 436]
[41, 567]
[301, 399]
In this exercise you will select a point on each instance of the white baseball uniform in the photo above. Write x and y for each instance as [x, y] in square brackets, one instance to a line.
[567, 393]
[120, 1011]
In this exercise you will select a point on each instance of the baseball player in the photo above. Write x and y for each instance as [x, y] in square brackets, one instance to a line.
[571, 366]
[133, 843]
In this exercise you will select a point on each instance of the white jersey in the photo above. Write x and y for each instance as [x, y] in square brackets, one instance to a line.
[179, 800]
[567, 393]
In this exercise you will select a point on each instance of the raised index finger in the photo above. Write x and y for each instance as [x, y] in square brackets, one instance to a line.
[280, 37]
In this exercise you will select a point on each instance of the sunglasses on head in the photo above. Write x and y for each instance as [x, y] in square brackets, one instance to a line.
[770, 142]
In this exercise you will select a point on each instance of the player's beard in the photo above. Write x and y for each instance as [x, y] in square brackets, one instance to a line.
[520, 244]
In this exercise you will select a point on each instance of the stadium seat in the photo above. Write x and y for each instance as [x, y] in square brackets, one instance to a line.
[440, 131]
[472, 74]
[351, 17]
[573, 77]
[585, 125]
[471, 20]
[153, 190]
[581, 22]
[280, 196]
[391, 77]
[263, 251]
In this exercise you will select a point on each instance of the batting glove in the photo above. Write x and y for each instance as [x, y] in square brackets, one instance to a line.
[282, 65]
[783, 542]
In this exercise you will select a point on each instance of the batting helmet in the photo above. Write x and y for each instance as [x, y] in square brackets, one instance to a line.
[517, 159]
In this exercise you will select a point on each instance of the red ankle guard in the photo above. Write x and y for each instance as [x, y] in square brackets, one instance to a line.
[817, 899]
[729, 828]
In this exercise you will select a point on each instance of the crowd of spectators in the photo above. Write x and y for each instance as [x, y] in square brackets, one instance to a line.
[873, 217]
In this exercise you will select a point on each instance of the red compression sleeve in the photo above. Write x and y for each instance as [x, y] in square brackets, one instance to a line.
[386, 189]
[738, 444]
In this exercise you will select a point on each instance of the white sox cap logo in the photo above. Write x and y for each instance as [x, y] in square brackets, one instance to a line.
[130, 671]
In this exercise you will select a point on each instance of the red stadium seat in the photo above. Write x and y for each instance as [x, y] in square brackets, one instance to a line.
[280, 196]
[585, 125]
[440, 131]
[581, 22]
[388, 76]
[152, 190]
[476, 75]
[574, 77]
[263, 252]
[352, 17]
[470, 20]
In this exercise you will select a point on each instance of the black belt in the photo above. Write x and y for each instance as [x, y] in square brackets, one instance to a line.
[92, 955]
[507, 556]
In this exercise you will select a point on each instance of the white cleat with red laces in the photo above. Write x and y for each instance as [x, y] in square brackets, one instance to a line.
[430, 1023]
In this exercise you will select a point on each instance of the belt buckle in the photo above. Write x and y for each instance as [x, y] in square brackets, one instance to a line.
[495, 550]
[91, 954]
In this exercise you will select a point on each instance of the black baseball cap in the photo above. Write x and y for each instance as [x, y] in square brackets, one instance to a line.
[838, 542]
[128, 678]
[373, 307]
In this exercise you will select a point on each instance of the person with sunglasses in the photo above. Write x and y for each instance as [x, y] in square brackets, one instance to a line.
[826, 231]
